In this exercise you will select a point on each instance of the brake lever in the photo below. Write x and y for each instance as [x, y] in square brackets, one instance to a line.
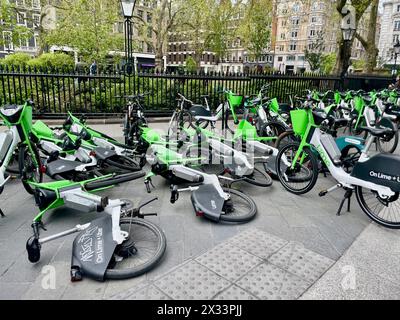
[147, 203]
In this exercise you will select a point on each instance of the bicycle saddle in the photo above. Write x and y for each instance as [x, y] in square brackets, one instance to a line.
[61, 166]
[379, 132]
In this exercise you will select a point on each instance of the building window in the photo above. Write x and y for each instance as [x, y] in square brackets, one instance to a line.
[36, 20]
[313, 19]
[283, 36]
[292, 47]
[36, 4]
[294, 34]
[295, 21]
[312, 33]
[280, 59]
[395, 38]
[291, 58]
[397, 25]
[149, 17]
[7, 39]
[21, 18]
[398, 8]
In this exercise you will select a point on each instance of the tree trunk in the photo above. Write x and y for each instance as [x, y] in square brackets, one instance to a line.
[372, 51]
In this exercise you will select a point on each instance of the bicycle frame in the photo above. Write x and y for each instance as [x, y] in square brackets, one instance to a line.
[313, 135]
[19, 131]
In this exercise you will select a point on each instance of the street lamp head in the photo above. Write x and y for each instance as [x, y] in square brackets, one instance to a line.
[348, 34]
[348, 25]
[127, 7]
[396, 48]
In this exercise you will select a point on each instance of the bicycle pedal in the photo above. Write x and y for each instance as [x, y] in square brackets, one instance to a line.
[323, 193]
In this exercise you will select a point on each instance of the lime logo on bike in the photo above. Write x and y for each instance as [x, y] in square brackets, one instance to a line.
[92, 245]
[324, 156]
[382, 176]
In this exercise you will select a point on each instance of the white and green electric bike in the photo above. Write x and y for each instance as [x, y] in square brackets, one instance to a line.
[375, 179]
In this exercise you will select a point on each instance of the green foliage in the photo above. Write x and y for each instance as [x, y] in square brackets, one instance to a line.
[52, 61]
[255, 30]
[87, 26]
[16, 59]
[191, 65]
[359, 64]
[328, 63]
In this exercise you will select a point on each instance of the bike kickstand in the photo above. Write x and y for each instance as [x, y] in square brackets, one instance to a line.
[347, 196]
[2, 214]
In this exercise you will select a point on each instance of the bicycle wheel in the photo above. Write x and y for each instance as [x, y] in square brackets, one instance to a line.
[349, 158]
[385, 212]
[239, 208]
[29, 166]
[141, 252]
[285, 138]
[388, 146]
[272, 129]
[303, 177]
[259, 178]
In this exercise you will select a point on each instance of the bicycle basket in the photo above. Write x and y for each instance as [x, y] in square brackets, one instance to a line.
[299, 121]
[274, 105]
[358, 104]
[235, 100]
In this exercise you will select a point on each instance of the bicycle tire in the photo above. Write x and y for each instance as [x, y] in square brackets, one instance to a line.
[147, 266]
[265, 180]
[243, 218]
[312, 180]
[372, 215]
[124, 163]
[21, 165]
[287, 134]
[380, 143]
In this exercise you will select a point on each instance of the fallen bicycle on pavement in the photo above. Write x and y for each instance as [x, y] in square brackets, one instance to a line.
[113, 246]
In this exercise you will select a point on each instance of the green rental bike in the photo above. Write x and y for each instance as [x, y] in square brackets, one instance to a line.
[16, 142]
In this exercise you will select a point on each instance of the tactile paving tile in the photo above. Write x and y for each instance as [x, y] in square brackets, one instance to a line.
[257, 242]
[229, 261]
[148, 293]
[235, 293]
[268, 282]
[192, 281]
[301, 262]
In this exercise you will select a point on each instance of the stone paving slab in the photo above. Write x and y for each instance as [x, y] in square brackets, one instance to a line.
[368, 270]
[304, 263]
[192, 281]
[268, 282]
[235, 293]
[277, 269]
[228, 261]
[259, 243]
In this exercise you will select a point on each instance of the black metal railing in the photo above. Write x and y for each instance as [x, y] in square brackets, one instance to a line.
[57, 91]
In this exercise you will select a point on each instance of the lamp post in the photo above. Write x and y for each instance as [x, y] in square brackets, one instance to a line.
[348, 27]
[127, 9]
[396, 49]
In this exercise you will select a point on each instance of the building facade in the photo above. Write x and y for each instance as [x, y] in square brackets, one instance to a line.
[389, 32]
[299, 25]
[27, 15]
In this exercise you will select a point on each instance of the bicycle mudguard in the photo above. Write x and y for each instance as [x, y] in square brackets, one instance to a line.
[93, 250]
[207, 202]
[104, 154]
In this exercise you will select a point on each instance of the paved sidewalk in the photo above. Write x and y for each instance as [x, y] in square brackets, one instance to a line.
[251, 265]
[370, 269]
[307, 220]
